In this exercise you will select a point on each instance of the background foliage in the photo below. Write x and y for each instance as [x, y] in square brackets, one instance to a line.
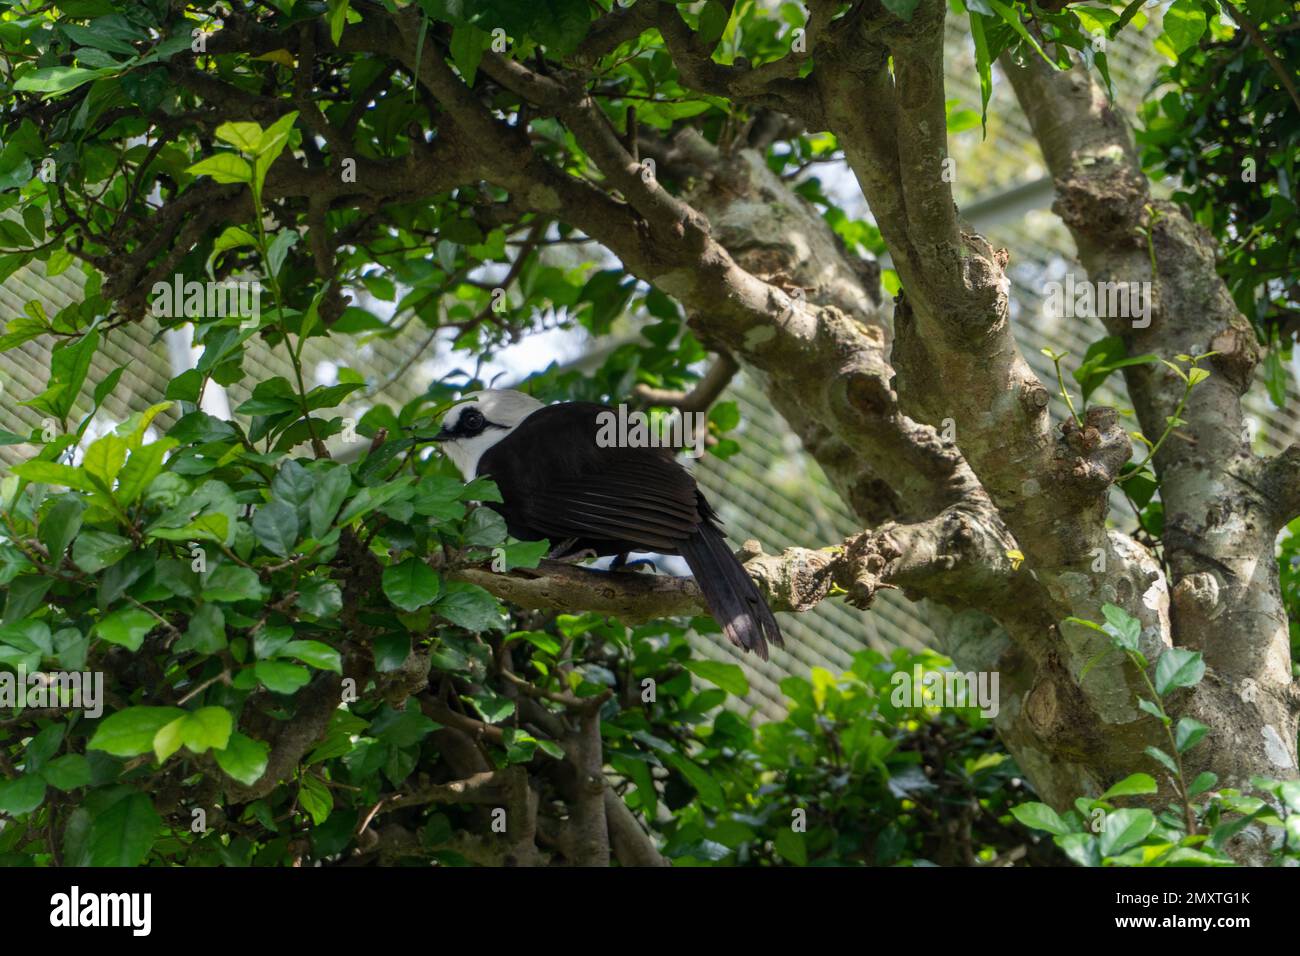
[235, 584]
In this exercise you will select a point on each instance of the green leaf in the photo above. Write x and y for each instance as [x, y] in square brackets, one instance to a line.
[368, 499]
[485, 528]
[67, 772]
[520, 746]
[713, 22]
[1204, 781]
[130, 732]
[233, 237]
[710, 790]
[1125, 828]
[1224, 832]
[1124, 627]
[725, 416]
[331, 490]
[1039, 816]
[206, 633]
[1178, 667]
[316, 654]
[276, 527]
[50, 473]
[68, 367]
[790, 845]
[467, 45]
[320, 598]
[25, 595]
[246, 137]
[439, 497]
[127, 627]
[60, 525]
[494, 707]
[207, 727]
[391, 651]
[551, 749]
[94, 550]
[22, 794]
[33, 636]
[470, 607]
[105, 387]
[123, 834]
[329, 396]
[525, 554]
[730, 677]
[1103, 357]
[337, 16]
[1011, 17]
[284, 240]
[231, 582]
[104, 459]
[168, 740]
[1153, 708]
[315, 798]
[280, 677]
[224, 168]
[1133, 785]
[1184, 23]
[1130, 11]
[1079, 847]
[293, 484]
[43, 746]
[402, 728]
[1162, 758]
[480, 489]
[270, 640]
[273, 142]
[54, 80]
[1188, 733]
[144, 465]
[243, 758]
[411, 584]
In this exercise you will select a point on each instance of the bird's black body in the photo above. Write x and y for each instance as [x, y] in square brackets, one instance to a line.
[557, 483]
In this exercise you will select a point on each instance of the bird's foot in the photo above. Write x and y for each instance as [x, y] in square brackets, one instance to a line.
[561, 552]
[621, 563]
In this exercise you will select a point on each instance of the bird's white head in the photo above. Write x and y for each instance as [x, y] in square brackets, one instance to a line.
[474, 426]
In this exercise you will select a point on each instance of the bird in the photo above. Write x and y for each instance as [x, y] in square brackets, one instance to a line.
[559, 483]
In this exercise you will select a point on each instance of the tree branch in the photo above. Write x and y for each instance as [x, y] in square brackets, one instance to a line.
[702, 396]
[951, 557]
[302, 731]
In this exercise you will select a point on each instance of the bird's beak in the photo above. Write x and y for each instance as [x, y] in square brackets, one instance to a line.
[444, 435]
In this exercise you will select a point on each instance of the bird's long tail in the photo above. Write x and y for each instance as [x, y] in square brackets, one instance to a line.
[729, 591]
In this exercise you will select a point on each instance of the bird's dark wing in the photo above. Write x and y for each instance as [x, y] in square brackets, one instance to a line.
[561, 485]
[643, 507]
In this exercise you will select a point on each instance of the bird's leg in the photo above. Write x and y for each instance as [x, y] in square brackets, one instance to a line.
[561, 552]
[621, 563]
